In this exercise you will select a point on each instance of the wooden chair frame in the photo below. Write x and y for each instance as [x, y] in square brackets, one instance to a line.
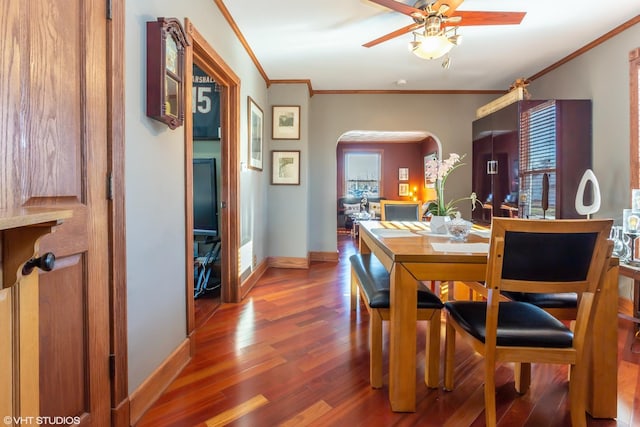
[387, 202]
[576, 356]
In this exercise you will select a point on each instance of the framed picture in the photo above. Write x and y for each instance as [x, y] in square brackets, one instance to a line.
[256, 126]
[285, 167]
[403, 174]
[428, 182]
[206, 105]
[286, 122]
[403, 189]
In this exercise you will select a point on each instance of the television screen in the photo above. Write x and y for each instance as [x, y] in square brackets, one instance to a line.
[205, 197]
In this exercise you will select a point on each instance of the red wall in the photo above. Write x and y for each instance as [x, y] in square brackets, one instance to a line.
[394, 156]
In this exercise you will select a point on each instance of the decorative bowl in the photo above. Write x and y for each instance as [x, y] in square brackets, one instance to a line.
[458, 229]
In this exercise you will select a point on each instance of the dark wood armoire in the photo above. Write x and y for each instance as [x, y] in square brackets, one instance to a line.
[529, 157]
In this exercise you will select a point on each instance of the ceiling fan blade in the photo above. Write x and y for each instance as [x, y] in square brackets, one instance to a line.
[393, 34]
[486, 18]
[399, 7]
[452, 6]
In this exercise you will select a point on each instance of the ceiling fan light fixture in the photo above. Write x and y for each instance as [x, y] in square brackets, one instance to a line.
[431, 47]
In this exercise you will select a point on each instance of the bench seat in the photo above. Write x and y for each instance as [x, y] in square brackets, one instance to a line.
[371, 281]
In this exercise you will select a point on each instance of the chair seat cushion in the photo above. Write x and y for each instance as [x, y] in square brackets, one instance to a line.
[559, 300]
[520, 324]
[375, 282]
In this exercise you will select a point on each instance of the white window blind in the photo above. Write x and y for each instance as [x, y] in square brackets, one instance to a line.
[537, 158]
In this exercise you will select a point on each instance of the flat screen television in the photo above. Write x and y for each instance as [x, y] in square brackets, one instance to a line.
[205, 197]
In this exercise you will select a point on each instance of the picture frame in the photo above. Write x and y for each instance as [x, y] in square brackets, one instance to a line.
[427, 158]
[403, 189]
[403, 174]
[285, 167]
[285, 122]
[256, 131]
[206, 105]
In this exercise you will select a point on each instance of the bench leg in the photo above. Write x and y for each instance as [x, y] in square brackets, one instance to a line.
[354, 290]
[432, 351]
[449, 355]
[375, 352]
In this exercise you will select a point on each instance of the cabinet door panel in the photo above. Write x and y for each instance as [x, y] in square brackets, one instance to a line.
[481, 183]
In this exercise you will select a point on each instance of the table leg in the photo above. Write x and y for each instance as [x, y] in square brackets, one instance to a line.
[602, 395]
[402, 340]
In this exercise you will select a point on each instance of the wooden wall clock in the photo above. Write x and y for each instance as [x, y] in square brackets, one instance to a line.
[166, 44]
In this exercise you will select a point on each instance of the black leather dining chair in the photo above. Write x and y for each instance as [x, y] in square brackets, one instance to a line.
[536, 257]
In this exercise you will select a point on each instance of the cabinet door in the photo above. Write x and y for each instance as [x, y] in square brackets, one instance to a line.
[505, 177]
[53, 154]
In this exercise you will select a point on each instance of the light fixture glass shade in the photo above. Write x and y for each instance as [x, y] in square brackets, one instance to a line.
[431, 47]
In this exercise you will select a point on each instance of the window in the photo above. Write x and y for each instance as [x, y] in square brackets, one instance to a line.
[362, 172]
[538, 161]
[634, 86]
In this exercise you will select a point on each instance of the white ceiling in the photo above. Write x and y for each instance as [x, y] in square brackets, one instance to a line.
[321, 41]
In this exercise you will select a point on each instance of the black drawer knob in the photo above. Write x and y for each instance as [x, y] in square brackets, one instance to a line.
[45, 263]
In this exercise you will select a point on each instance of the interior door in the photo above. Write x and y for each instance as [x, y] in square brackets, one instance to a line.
[53, 152]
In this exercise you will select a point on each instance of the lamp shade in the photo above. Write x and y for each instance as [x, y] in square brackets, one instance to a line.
[431, 47]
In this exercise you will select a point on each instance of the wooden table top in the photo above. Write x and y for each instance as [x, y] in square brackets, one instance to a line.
[407, 241]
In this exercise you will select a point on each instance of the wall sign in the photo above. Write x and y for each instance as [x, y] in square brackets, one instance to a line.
[206, 105]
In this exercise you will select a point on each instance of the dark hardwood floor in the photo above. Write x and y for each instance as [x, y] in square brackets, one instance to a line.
[293, 354]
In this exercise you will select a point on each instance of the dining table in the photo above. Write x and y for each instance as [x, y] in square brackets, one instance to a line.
[411, 252]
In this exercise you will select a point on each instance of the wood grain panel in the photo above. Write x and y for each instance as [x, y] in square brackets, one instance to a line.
[323, 256]
[288, 262]
[26, 295]
[10, 86]
[54, 153]
[72, 238]
[6, 354]
[55, 168]
[64, 345]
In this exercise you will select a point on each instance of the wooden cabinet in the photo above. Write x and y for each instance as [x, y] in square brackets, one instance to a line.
[515, 147]
[20, 232]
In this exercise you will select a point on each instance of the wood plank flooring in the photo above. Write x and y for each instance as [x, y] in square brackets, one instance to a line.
[293, 354]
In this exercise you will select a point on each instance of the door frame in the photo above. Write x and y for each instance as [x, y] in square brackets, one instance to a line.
[118, 359]
[200, 51]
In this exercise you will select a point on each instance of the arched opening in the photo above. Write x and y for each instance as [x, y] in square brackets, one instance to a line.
[395, 170]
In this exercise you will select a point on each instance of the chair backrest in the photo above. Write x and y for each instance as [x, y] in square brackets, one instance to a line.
[544, 256]
[400, 210]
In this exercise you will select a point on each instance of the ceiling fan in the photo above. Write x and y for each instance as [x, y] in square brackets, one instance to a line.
[439, 22]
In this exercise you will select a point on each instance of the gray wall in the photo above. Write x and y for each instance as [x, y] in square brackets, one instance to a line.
[448, 117]
[154, 167]
[602, 74]
[288, 208]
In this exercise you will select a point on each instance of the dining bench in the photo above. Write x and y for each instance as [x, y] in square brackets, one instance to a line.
[370, 280]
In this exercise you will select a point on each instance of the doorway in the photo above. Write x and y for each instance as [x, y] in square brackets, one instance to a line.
[204, 56]
[207, 238]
